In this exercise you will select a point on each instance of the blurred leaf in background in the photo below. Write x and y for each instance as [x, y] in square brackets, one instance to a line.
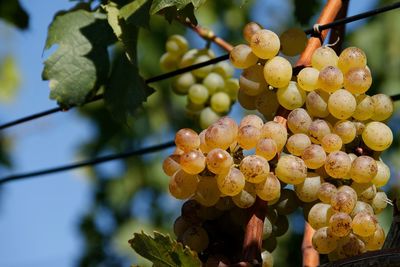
[10, 79]
[12, 12]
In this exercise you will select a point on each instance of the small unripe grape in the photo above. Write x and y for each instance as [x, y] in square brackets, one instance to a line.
[342, 104]
[357, 80]
[364, 224]
[317, 103]
[182, 83]
[198, 94]
[308, 79]
[231, 88]
[218, 161]
[242, 57]
[249, 29]
[346, 130]
[177, 44]
[293, 41]
[208, 117]
[265, 44]
[363, 169]
[220, 102]
[379, 202]
[364, 109]
[291, 96]
[340, 224]
[278, 72]
[203, 71]
[193, 162]
[169, 62]
[297, 143]
[330, 79]
[230, 183]
[291, 169]
[254, 168]
[352, 57]
[377, 136]
[324, 56]
[383, 107]
[266, 148]
[213, 82]
[224, 69]
[331, 142]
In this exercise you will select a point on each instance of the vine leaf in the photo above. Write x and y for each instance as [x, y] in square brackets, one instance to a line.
[182, 9]
[179, 4]
[163, 251]
[12, 12]
[137, 13]
[80, 63]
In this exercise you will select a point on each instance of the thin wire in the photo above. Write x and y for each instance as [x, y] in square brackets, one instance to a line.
[209, 62]
[94, 161]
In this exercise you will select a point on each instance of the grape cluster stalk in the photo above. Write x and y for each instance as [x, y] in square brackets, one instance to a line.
[211, 90]
[328, 162]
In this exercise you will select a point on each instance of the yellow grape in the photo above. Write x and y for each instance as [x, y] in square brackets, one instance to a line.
[220, 102]
[207, 192]
[177, 44]
[213, 82]
[326, 191]
[276, 132]
[319, 215]
[246, 197]
[254, 168]
[265, 44]
[218, 161]
[314, 156]
[343, 202]
[362, 207]
[269, 189]
[357, 80]
[171, 164]
[278, 72]
[230, 183]
[318, 129]
[203, 145]
[252, 81]
[323, 241]
[267, 259]
[308, 79]
[365, 108]
[382, 176]
[383, 107]
[346, 130]
[376, 240]
[169, 62]
[364, 224]
[307, 191]
[208, 117]
[377, 136]
[379, 202]
[299, 121]
[266, 148]
[183, 185]
[219, 136]
[331, 143]
[291, 96]
[297, 143]
[182, 83]
[324, 56]
[242, 57]
[187, 139]
[248, 136]
[291, 169]
[342, 104]
[193, 162]
[252, 120]
[330, 79]
[352, 57]
[340, 224]
[365, 191]
[250, 29]
[363, 169]
[203, 71]
[317, 103]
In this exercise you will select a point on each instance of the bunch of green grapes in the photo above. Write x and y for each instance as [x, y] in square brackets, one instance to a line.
[210, 90]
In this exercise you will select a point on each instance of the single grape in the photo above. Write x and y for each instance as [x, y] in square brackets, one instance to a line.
[180, 226]
[364, 224]
[363, 169]
[319, 215]
[218, 161]
[330, 79]
[270, 244]
[326, 191]
[299, 121]
[196, 238]
[248, 136]
[383, 107]
[343, 202]
[182, 83]
[183, 185]
[207, 192]
[364, 109]
[360, 127]
[224, 203]
[254, 168]
[377, 136]
[357, 80]
[340, 224]
[365, 191]
[224, 69]
[250, 29]
[276, 132]
[317, 103]
[207, 117]
[342, 104]
[266, 148]
[177, 44]
[349, 190]
[293, 41]
[338, 164]
[246, 197]
[314, 156]
[382, 176]
[269, 189]
[187, 139]
[265, 44]
[246, 101]
[231, 124]
[324, 241]
[190, 211]
[188, 58]
[198, 94]
[307, 191]
[252, 80]
[291, 96]
[169, 62]
[331, 142]
[220, 102]
[297, 143]
[242, 57]
[231, 88]
[291, 169]
[324, 56]
[318, 129]
[376, 240]
[379, 202]
[352, 57]
[219, 136]
[308, 79]
[193, 162]
[346, 130]
[213, 82]
[203, 71]
[171, 164]
[362, 207]
[278, 72]
[252, 120]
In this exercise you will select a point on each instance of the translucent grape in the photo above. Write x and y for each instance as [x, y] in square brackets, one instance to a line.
[267, 259]
[193, 162]
[254, 168]
[218, 161]
[287, 203]
[319, 215]
[276, 132]
[196, 238]
[188, 58]
[270, 189]
[342, 104]
[246, 197]
[207, 192]
[340, 224]
[330, 79]
[203, 146]
[252, 120]
[207, 117]
[323, 241]
[308, 79]
[265, 44]
[331, 142]
[338, 164]
[246, 101]
[278, 72]
[213, 82]
[267, 103]
[231, 124]
[220, 102]
[382, 176]
[224, 69]
[182, 83]
[346, 130]
[183, 185]
[293, 41]
[357, 80]
[352, 57]
[169, 62]
[326, 191]
[180, 226]
[324, 56]
[198, 94]
[171, 164]
[318, 129]
[203, 71]
[365, 191]
[291, 169]
[291, 96]
[231, 88]
[266, 148]
[187, 139]
[219, 136]
[364, 224]
[376, 240]
[362, 207]
[364, 109]
[348, 190]
[377, 136]
[343, 202]
[248, 136]
[242, 57]
[177, 44]
[314, 156]
[307, 191]
[299, 121]
[383, 107]
[379, 202]
[249, 29]
[363, 169]
[252, 80]
[297, 143]
[317, 103]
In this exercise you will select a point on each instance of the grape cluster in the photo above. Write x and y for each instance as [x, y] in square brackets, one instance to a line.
[210, 90]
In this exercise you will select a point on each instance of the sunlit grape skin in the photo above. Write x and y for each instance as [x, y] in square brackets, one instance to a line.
[322, 57]
[187, 139]
[265, 44]
[231, 182]
[254, 168]
[377, 136]
[278, 72]
[218, 161]
[193, 162]
[242, 57]
[291, 169]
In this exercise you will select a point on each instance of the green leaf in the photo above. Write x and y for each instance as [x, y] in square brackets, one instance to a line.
[126, 89]
[163, 251]
[158, 5]
[80, 64]
[12, 12]
[137, 13]
[187, 12]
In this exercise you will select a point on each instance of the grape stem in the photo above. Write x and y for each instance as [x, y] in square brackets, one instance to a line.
[209, 36]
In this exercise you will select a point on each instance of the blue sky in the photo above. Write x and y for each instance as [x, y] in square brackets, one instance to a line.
[38, 217]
